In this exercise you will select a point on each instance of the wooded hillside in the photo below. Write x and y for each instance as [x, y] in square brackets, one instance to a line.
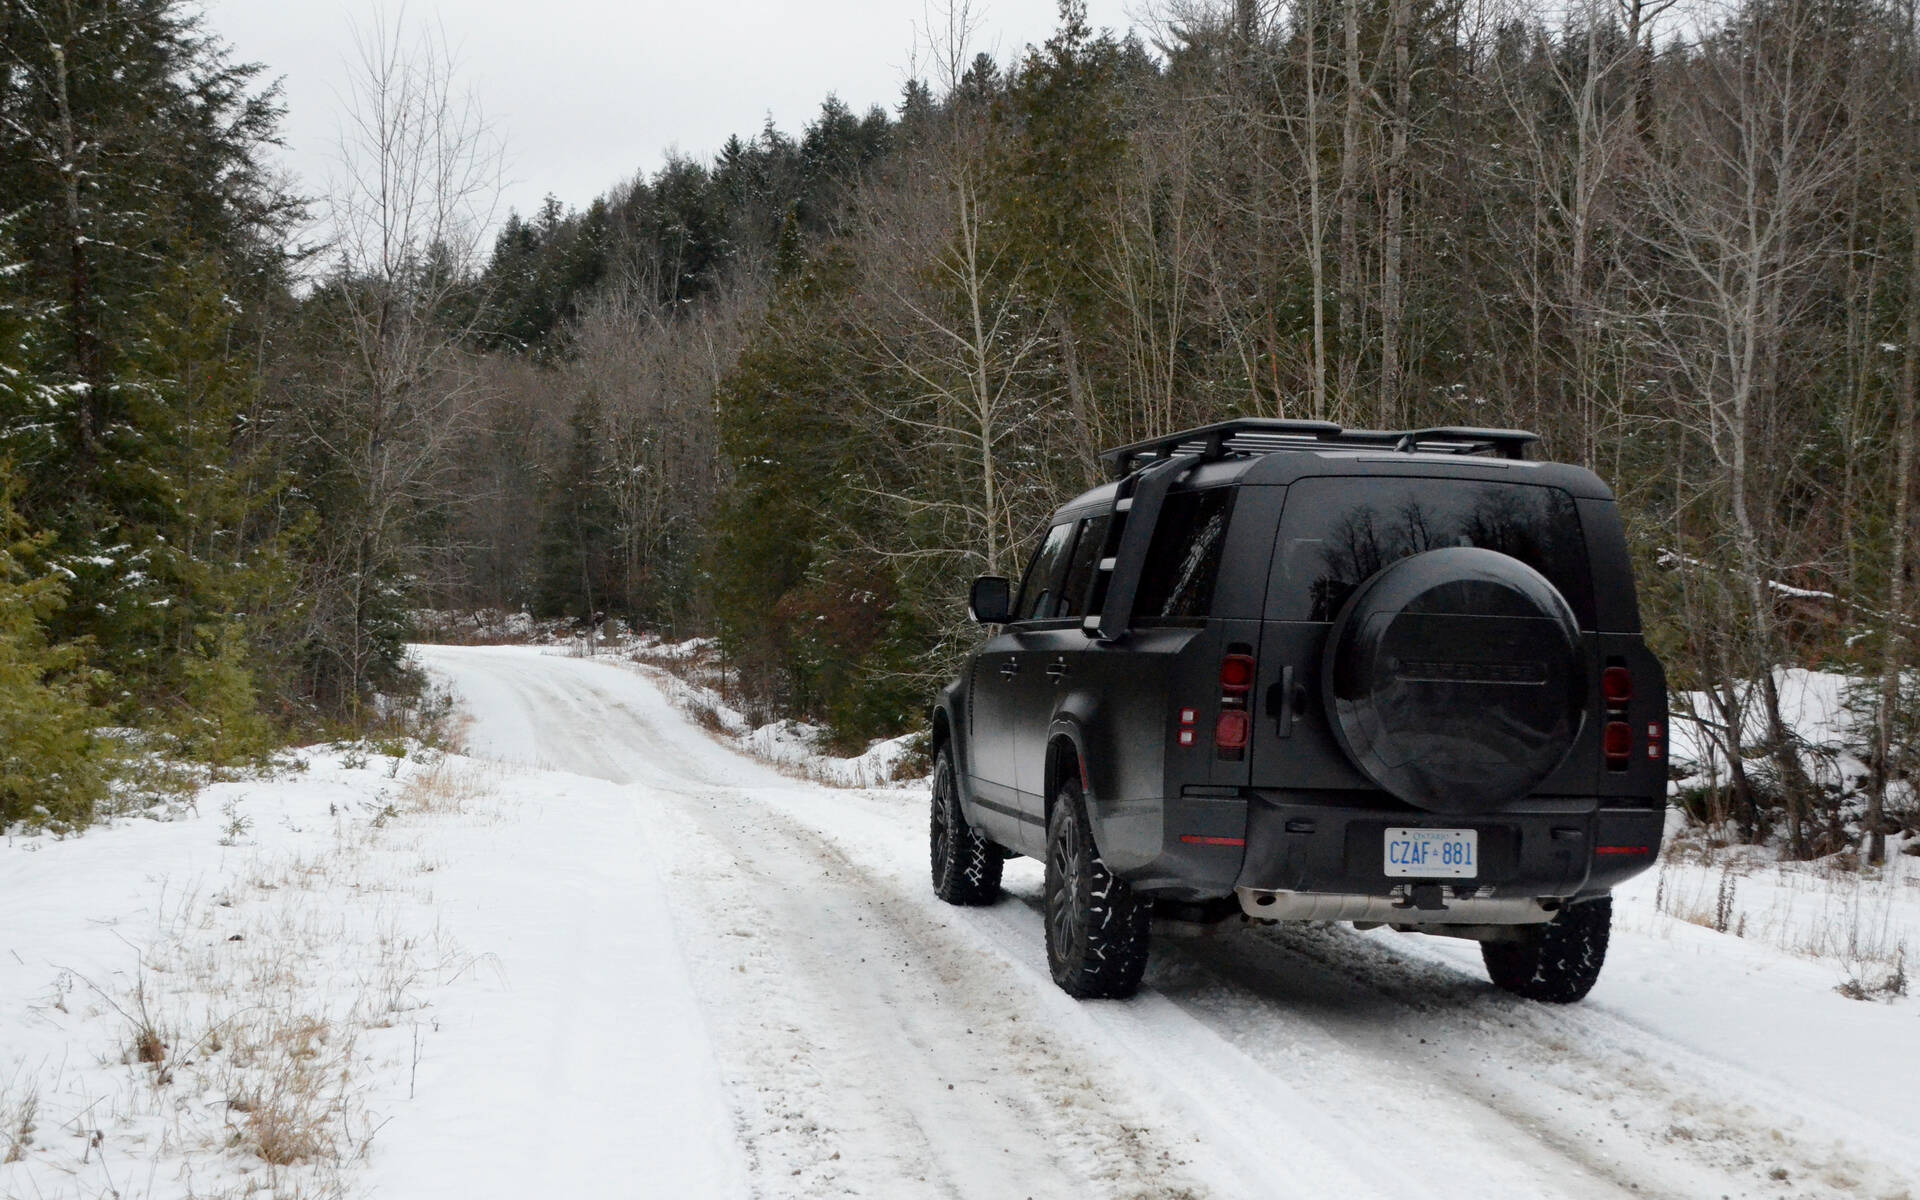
[797, 395]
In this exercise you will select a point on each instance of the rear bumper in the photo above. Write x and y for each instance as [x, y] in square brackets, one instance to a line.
[1321, 856]
[1545, 848]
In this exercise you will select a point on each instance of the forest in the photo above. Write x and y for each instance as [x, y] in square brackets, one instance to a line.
[796, 395]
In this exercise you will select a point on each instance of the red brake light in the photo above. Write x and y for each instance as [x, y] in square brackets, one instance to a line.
[1230, 731]
[1236, 674]
[1616, 742]
[1616, 686]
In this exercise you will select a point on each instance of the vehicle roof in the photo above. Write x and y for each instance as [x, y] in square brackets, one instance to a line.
[1279, 468]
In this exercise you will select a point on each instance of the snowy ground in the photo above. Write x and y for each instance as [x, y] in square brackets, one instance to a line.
[632, 961]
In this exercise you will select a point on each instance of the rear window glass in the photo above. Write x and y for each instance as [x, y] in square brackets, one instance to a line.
[1338, 532]
[1177, 578]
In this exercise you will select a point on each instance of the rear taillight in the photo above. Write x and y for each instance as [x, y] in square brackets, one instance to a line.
[1616, 686]
[1616, 743]
[1231, 730]
[1235, 724]
[1616, 692]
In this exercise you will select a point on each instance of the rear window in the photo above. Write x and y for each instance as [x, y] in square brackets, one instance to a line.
[1338, 532]
[1177, 579]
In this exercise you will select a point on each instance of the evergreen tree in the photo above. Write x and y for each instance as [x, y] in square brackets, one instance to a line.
[54, 770]
[133, 151]
[581, 541]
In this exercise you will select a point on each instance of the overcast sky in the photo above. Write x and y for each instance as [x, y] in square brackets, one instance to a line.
[587, 92]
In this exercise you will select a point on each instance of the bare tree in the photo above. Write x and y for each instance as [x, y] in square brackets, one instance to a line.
[1393, 299]
[1575, 133]
[951, 312]
[968, 339]
[1352, 309]
[1753, 153]
[651, 376]
[1307, 139]
[417, 185]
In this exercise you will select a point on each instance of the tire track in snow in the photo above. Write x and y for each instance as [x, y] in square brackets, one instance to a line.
[981, 1099]
[1676, 1121]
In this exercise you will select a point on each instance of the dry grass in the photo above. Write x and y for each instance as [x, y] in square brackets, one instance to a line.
[445, 788]
[299, 1071]
[1829, 911]
[17, 1124]
[257, 1015]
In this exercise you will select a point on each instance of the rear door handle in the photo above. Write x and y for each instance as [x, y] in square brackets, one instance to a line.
[1282, 705]
[1009, 669]
[1056, 671]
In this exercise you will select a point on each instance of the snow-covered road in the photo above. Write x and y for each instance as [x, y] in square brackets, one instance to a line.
[696, 940]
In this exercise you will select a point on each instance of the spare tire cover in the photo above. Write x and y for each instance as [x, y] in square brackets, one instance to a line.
[1455, 680]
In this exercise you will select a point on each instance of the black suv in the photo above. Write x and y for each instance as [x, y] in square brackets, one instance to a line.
[1296, 672]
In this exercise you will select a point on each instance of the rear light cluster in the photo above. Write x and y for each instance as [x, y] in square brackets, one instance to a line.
[1616, 738]
[1235, 724]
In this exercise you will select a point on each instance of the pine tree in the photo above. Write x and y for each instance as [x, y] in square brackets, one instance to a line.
[54, 770]
[199, 498]
[579, 548]
[132, 151]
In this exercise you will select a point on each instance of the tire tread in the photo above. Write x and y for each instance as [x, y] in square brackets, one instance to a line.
[1558, 962]
[1118, 922]
[970, 874]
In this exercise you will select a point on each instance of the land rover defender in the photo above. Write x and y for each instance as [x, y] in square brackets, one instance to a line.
[1285, 671]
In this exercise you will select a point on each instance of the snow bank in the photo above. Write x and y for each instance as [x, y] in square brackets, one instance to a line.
[1812, 703]
[797, 745]
[692, 677]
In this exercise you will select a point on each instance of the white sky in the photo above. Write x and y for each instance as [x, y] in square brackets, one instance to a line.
[588, 92]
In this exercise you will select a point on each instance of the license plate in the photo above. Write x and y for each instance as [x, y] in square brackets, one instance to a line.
[1443, 853]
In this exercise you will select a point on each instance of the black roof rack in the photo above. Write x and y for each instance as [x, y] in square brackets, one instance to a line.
[1265, 435]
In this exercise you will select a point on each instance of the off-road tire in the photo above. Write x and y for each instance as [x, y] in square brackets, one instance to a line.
[1557, 962]
[966, 863]
[1096, 927]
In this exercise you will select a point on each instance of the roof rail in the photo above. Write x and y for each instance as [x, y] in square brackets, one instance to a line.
[1266, 435]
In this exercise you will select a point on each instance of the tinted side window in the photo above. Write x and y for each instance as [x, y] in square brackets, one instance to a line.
[1338, 532]
[1086, 556]
[1037, 593]
[1177, 578]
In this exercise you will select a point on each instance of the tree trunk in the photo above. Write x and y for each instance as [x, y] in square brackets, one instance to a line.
[1316, 220]
[80, 316]
[1893, 652]
[1349, 204]
[1392, 282]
